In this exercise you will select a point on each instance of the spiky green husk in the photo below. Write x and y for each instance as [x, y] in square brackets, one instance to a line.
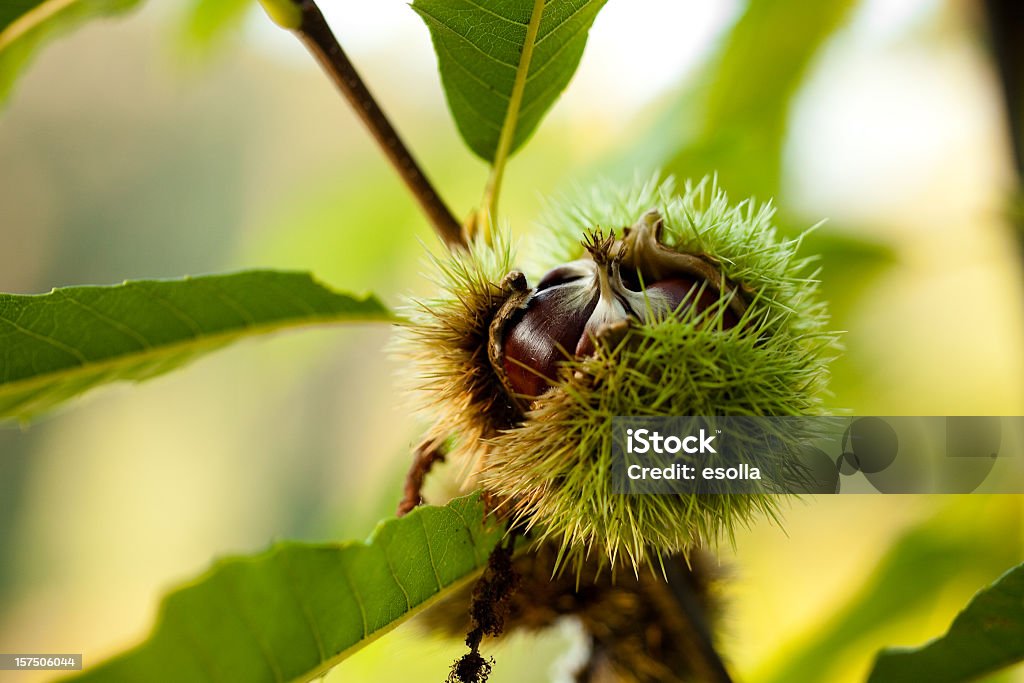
[446, 340]
[552, 468]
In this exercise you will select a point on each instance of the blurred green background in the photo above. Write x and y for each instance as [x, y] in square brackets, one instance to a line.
[194, 137]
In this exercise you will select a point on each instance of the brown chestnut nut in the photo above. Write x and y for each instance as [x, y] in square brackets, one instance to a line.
[689, 292]
[543, 333]
[572, 306]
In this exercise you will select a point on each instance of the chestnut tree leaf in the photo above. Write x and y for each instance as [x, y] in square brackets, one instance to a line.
[26, 24]
[938, 555]
[55, 346]
[296, 610]
[485, 46]
[987, 636]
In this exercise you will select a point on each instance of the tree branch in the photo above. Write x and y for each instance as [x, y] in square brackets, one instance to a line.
[1006, 31]
[316, 35]
[706, 657]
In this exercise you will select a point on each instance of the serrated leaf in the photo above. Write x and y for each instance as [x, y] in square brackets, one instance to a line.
[57, 345]
[26, 24]
[987, 636]
[480, 45]
[297, 610]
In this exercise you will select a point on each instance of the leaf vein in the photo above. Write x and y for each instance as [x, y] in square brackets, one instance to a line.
[439, 23]
[253, 632]
[487, 10]
[543, 66]
[237, 307]
[307, 614]
[48, 340]
[181, 315]
[394, 577]
[110, 322]
[569, 17]
[358, 599]
[469, 72]
[430, 553]
[468, 102]
[465, 522]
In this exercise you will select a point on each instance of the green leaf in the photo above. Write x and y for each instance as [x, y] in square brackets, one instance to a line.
[939, 556]
[481, 49]
[57, 345]
[297, 610]
[26, 24]
[988, 635]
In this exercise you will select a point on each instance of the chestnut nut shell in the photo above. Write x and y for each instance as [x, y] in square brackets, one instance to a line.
[575, 303]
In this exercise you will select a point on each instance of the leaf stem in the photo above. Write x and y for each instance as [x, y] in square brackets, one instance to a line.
[489, 208]
[318, 38]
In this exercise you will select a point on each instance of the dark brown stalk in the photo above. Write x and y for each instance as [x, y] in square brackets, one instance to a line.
[705, 657]
[1006, 29]
[1006, 32]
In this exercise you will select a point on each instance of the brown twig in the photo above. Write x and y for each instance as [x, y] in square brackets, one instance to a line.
[426, 455]
[316, 35]
[704, 655]
[1006, 29]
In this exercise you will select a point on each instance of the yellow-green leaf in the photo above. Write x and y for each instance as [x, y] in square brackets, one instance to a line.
[987, 636]
[296, 610]
[26, 24]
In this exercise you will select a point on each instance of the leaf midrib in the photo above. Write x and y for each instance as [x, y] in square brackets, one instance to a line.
[511, 124]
